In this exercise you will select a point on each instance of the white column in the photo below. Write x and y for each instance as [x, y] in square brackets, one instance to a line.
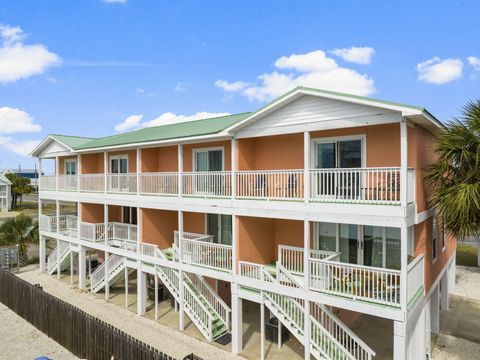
[180, 169]
[452, 274]
[399, 341]
[82, 269]
[306, 252]
[262, 330]
[237, 320]
[435, 310]
[126, 284]
[156, 293]
[403, 161]
[234, 245]
[444, 301]
[404, 266]
[141, 292]
[181, 321]
[42, 253]
[234, 167]
[79, 167]
[428, 326]
[306, 166]
[105, 170]
[71, 268]
[306, 330]
[139, 168]
[57, 212]
[57, 171]
[107, 255]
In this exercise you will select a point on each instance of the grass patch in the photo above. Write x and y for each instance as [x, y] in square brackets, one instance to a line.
[467, 255]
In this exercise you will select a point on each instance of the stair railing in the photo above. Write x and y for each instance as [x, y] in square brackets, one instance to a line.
[199, 312]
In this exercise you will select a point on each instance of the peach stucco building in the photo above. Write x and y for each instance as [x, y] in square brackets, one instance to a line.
[313, 207]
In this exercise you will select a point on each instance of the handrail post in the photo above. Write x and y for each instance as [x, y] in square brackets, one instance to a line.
[403, 161]
[180, 170]
[139, 169]
[306, 166]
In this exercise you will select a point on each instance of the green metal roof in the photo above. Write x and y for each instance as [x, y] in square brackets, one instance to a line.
[71, 141]
[5, 180]
[166, 132]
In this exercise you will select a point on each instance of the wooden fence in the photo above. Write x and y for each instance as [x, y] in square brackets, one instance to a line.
[82, 334]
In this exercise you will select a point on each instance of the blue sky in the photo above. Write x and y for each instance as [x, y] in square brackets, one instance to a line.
[93, 67]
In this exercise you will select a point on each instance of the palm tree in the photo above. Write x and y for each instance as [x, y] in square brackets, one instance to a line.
[454, 179]
[19, 230]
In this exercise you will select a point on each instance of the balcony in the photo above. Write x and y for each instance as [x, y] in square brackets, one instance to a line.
[380, 186]
[330, 276]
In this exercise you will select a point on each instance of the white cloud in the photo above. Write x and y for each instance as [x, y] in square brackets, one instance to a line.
[314, 69]
[475, 62]
[358, 55]
[115, 1]
[20, 147]
[181, 86]
[134, 121]
[437, 71]
[14, 120]
[20, 61]
[129, 123]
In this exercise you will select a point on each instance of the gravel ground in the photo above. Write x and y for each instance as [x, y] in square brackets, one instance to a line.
[468, 282]
[168, 340]
[21, 340]
[449, 347]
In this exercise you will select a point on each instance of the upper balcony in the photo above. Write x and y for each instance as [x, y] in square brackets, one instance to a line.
[381, 186]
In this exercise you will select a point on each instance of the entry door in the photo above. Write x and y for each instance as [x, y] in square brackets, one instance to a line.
[118, 166]
[206, 161]
[220, 226]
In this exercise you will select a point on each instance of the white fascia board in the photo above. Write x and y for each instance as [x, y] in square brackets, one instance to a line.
[45, 142]
[144, 145]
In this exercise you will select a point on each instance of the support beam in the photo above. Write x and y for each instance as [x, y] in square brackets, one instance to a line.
[107, 272]
[71, 268]
[105, 170]
[306, 330]
[126, 285]
[57, 218]
[82, 271]
[444, 298]
[57, 171]
[306, 251]
[141, 292]
[404, 265]
[435, 310]
[262, 330]
[399, 341]
[139, 168]
[237, 321]
[42, 253]
[234, 167]
[180, 169]
[181, 317]
[156, 293]
[235, 245]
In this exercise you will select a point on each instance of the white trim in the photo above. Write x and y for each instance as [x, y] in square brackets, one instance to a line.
[65, 166]
[424, 215]
[207, 149]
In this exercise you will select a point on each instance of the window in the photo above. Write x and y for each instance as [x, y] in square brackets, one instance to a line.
[220, 226]
[208, 160]
[434, 237]
[70, 167]
[119, 164]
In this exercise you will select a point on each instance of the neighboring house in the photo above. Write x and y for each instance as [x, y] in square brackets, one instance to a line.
[5, 193]
[31, 174]
[312, 206]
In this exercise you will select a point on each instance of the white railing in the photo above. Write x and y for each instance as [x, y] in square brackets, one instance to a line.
[122, 183]
[68, 182]
[212, 298]
[205, 254]
[159, 183]
[207, 184]
[326, 343]
[98, 276]
[359, 185]
[355, 281]
[71, 222]
[284, 277]
[188, 236]
[270, 184]
[291, 257]
[151, 250]
[415, 278]
[121, 231]
[92, 232]
[48, 222]
[48, 182]
[92, 182]
[341, 332]
[251, 270]
[57, 254]
[199, 311]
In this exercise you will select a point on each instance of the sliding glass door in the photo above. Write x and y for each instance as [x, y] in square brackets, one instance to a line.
[207, 161]
[220, 226]
[118, 166]
[337, 154]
